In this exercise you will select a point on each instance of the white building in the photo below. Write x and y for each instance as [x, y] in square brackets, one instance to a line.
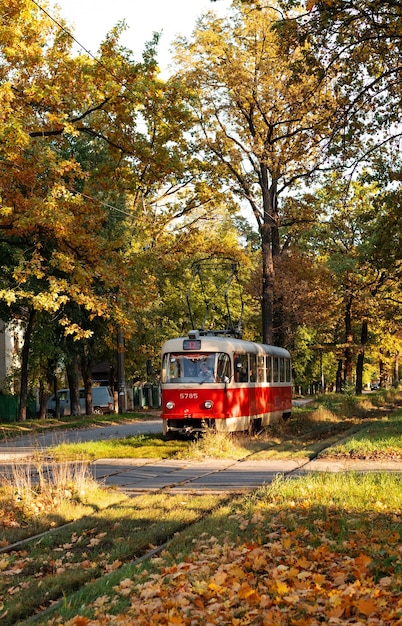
[10, 350]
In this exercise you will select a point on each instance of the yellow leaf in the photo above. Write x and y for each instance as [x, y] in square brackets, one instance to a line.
[220, 578]
[237, 572]
[281, 588]
[214, 587]
[3, 564]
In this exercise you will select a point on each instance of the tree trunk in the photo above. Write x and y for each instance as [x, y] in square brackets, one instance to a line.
[86, 371]
[383, 374]
[268, 280]
[73, 377]
[46, 388]
[395, 378]
[360, 358]
[269, 247]
[348, 371]
[339, 381]
[121, 375]
[22, 413]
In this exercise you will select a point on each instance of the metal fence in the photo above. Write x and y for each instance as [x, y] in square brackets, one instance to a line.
[9, 406]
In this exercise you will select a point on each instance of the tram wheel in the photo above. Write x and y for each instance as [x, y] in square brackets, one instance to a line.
[254, 427]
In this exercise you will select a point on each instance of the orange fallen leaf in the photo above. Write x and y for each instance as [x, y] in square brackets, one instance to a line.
[367, 606]
[245, 591]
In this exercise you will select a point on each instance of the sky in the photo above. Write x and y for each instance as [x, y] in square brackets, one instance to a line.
[92, 19]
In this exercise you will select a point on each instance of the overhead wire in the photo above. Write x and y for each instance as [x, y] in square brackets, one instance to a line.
[74, 39]
[124, 95]
[67, 32]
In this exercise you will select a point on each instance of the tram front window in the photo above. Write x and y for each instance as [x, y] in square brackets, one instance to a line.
[195, 367]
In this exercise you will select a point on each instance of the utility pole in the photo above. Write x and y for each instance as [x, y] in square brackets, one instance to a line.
[121, 375]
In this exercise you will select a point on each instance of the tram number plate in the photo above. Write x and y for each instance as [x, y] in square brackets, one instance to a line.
[188, 396]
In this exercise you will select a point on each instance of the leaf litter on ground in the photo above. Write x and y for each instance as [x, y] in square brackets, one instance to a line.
[302, 552]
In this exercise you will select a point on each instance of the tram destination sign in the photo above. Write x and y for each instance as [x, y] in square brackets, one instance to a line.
[192, 344]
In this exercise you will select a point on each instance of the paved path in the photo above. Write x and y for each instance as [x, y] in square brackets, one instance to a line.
[139, 475]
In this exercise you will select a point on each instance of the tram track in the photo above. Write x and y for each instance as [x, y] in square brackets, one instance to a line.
[173, 484]
[185, 487]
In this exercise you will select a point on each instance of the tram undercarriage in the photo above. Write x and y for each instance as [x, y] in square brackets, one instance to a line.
[196, 426]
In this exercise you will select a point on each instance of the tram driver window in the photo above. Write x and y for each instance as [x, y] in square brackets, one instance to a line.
[174, 369]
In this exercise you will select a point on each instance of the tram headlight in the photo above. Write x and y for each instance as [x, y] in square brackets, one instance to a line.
[208, 404]
[170, 405]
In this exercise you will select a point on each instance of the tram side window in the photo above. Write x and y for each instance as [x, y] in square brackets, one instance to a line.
[269, 369]
[223, 370]
[241, 368]
[288, 372]
[260, 369]
[253, 367]
[275, 378]
[282, 370]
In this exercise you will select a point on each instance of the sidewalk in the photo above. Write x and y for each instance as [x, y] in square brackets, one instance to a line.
[352, 465]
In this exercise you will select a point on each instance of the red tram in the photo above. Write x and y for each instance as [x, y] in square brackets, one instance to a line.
[210, 380]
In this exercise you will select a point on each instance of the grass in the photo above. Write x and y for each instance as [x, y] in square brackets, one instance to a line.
[284, 440]
[36, 497]
[327, 542]
[376, 440]
[311, 429]
[41, 571]
[139, 446]
[299, 551]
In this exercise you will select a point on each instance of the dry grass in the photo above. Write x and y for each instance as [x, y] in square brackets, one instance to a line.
[38, 485]
[322, 414]
[37, 496]
[215, 445]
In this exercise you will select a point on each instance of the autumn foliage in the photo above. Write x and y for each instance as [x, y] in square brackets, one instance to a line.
[281, 562]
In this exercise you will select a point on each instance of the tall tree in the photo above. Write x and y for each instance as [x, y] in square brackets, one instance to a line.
[264, 117]
[359, 45]
[78, 136]
[345, 243]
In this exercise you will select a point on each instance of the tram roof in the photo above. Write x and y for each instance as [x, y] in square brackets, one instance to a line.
[222, 343]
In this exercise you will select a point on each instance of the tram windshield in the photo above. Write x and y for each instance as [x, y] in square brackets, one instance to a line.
[199, 367]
